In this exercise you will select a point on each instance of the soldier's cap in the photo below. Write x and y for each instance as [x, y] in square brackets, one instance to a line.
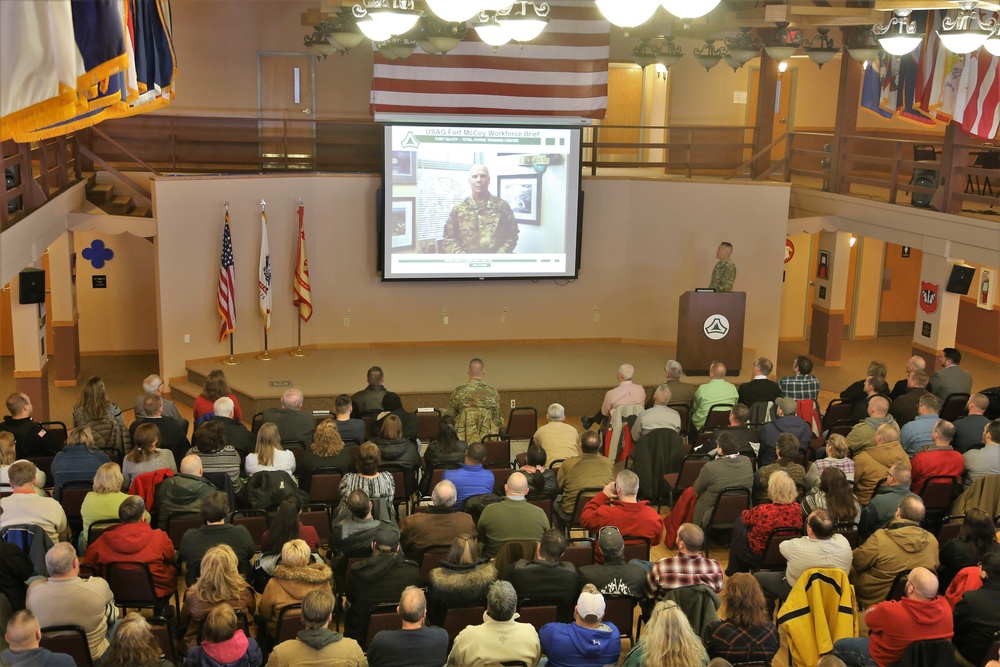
[788, 405]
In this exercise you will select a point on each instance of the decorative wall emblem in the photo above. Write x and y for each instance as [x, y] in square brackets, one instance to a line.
[928, 297]
[97, 254]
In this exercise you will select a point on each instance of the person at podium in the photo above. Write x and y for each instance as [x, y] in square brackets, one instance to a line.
[724, 273]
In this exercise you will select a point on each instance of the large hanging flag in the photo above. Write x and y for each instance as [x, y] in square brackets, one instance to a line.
[227, 285]
[264, 274]
[562, 72]
[981, 112]
[871, 90]
[303, 294]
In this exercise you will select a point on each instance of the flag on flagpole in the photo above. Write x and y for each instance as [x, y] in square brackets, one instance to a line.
[264, 274]
[303, 294]
[227, 285]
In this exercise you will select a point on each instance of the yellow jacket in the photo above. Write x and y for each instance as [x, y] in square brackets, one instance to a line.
[820, 610]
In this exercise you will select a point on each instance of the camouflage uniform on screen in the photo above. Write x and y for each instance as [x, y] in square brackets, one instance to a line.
[488, 227]
[723, 276]
[476, 406]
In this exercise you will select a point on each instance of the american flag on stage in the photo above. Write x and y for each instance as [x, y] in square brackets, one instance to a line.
[563, 72]
[227, 285]
[303, 294]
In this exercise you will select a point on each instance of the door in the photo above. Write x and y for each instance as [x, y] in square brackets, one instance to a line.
[783, 96]
[624, 108]
[287, 111]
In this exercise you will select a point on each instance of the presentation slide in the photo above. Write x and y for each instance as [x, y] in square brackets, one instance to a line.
[480, 202]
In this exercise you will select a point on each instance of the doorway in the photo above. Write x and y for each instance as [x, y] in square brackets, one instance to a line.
[286, 111]
[784, 97]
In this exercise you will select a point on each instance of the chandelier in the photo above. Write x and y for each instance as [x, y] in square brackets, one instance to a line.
[742, 48]
[630, 13]
[520, 22]
[708, 56]
[665, 55]
[966, 32]
[820, 49]
[784, 43]
[862, 45]
[902, 41]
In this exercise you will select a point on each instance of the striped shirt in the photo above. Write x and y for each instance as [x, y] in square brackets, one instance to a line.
[683, 570]
[225, 460]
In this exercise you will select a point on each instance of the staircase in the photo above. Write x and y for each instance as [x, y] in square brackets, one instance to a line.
[103, 196]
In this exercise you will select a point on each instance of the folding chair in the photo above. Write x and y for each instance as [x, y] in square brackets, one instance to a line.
[254, 521]
[850, 532]
[179, 523]
[620, 611]
[497, 451]
[318, 516]
[289, 623]
[678, 481]
[256, 423]
[773, 558]
[500, 477]
[537, 612]
[428, 424]
[937, 494]
[728, 508]
[636, 548]
[324, 486]
[68, 639]
[718, 417]
[521, 424]
[133, 588]
[383, 617]
[56, 432]
[98, 528]
[429, 560]
[579, 551]
[836, 410]
[160, 628]
[898, 589]
[583, 496]
[457, 619]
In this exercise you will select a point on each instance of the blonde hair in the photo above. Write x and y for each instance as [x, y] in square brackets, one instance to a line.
[836, 446]
[220, 624]
[133, 644]
[268, 440]
[295, 553]
[327, 440]
[93, 401]
[781, 488]
[220, 579]
[109, 479]
[669, 640]
[81, 435]
[8, 448]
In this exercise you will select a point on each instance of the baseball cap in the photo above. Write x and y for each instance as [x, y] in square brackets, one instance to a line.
[387, 538]
[610, 540]
[788, 406]
[590, 606]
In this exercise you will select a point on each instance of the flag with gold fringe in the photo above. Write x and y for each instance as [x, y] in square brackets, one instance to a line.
[303, 293]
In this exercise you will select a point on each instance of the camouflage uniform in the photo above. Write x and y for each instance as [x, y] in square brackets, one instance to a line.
[476, 407]
[723, 276]
[489, 227]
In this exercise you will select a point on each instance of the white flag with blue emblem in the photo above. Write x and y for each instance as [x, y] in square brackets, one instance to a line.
[264, 274]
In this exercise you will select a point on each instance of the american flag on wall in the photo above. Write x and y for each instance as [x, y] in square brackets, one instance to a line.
[563, 72]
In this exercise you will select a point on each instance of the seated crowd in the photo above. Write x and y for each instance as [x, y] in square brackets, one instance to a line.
[852, 508]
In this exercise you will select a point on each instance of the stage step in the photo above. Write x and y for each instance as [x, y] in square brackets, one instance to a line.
[100, 193]
[120, 205]
[184, 392]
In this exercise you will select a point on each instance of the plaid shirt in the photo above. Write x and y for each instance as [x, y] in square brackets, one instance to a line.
[845, 465]
[683, 570]
[800, 387]
[723, 639]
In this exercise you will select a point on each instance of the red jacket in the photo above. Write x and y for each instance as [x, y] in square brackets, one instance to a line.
[631, 519]
[144, 485]
[937, 461]
[137, 543]
[897, 624]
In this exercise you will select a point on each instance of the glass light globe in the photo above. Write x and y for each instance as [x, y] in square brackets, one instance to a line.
[454, 11]
[689, 9]
[627, 13]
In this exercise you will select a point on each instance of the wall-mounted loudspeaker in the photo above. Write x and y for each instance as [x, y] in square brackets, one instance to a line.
[960, 280]
[925, 178]
[32, 286]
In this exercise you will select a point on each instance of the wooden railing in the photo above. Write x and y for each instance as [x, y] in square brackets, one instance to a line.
[684, 149]
[40, 171]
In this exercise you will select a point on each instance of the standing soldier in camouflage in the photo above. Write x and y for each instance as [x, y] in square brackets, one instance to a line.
[481, 223]
[476, 406]
[724, 273]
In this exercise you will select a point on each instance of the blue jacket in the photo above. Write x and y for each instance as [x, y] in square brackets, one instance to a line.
[470, 480]
[76, 463]
[572, 645]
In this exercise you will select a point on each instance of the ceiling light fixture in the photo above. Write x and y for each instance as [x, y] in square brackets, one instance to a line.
[689, 9]
[490, 30]
[519, 24]
[862, 45]
[644, 54]
[438, 36]
[627, 13]
[992, 43]
[708, 56]
[318, 42]
[967, 31]
[824, 51]
[383, 19]
[744, 47]
[453, 11]
[902, 41]
[669, 53]
[784, 45]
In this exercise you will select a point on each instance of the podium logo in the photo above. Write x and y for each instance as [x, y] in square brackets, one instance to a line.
[716, 327]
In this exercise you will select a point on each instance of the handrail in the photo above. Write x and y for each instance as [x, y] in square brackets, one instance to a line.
[120, 177]
[123, 150]
[755, 157]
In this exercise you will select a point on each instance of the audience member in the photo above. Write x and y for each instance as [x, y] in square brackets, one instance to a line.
[976, 540]
[23, 636]
[352, 535]
[444, 451]
[183, 492]
[224, 643]
[873, 386]
[872, 464]
[658, 416]
[392, 405]
[438, 526]
[461, 579]
[717, 391]
[746, 634]
[381, 578]
[220, 582]
[215, 455]
[197, 541]
[269, 454]
[327, 451]
[378, 485]
[626, 393]
[25, 505]
[171, 433]
[901, 545]
[542, 482]
[134, 645]
[886, 500]
[146, 456]
[153, 386]
[134, 541]
[951, 378]
[752, 529]
[895, 624]
[415, 644]
[786, 422]
[938, 459]
[546, 577]
[787, 448]
[821, 546]
[862, 436]
[617, 505]
[295, 576]
[680, 392]
[986, 460]
[369, 399]
[977, 615]
[31, 438]
[286, 525]
[216, 386]
[668, 641]
[399, 453]
[317, 644]
[914, 363]
[690, 567]
[292, 422]
[591, 469]
[917, 433]
[728, 471]
[500, 639]
[558, 439]
[856, 391]
[8, 456]
[904, 406]
[969, 429]
[614, 576]
[837, 451]
[349, 427]
[760, 389]
[512, 519]
[586, 642]
[470, 478]
[93, 405]
[803, 385]
[78, 460]
[739, 417]
[66, 599]
[836, 496]
[475, 406]
[234, 431]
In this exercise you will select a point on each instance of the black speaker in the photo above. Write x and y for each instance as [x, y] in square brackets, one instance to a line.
[925, 178]
[10, 176]
[960, 280]
[32, 283]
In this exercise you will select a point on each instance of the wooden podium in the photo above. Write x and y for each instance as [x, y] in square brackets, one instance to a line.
[710, 328]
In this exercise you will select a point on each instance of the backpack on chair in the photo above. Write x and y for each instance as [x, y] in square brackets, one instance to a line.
[268, 488]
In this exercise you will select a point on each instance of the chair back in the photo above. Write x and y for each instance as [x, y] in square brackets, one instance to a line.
[317, 515]
[521, 424]
[685, 413]
[256, 423]
[582, 498]
[132, 585]
[500, 477]
[898, 589]
[255, 521]
[56, 433]
[729, 506]
[521, 459]
[836, 410]
[950, 527]
[44, 464]
[993, 652]
[842, 427]
[546, 506]
[428, 424]
[324, 486]
[850, 532]
[68, 639]
[704, 438]
[929, 653]
[289, 622]
[179, 523]
[620, 611]
[636, 548]
[383, 617]
[457, 619]
[718, 417]
[580, 552]
[160, 628]
[690, 469]
[98, 528]
[537, 612]
[497, 451]
[773, 559]
[429, 560]
[71, 496]
[937, 493]
[954, 407]
[223, 482]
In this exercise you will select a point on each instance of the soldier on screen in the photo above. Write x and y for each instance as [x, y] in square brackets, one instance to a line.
[481, 223]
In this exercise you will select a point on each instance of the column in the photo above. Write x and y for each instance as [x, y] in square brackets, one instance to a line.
[65, 317]
[31, 373]
[936, 322]
[830, 298]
